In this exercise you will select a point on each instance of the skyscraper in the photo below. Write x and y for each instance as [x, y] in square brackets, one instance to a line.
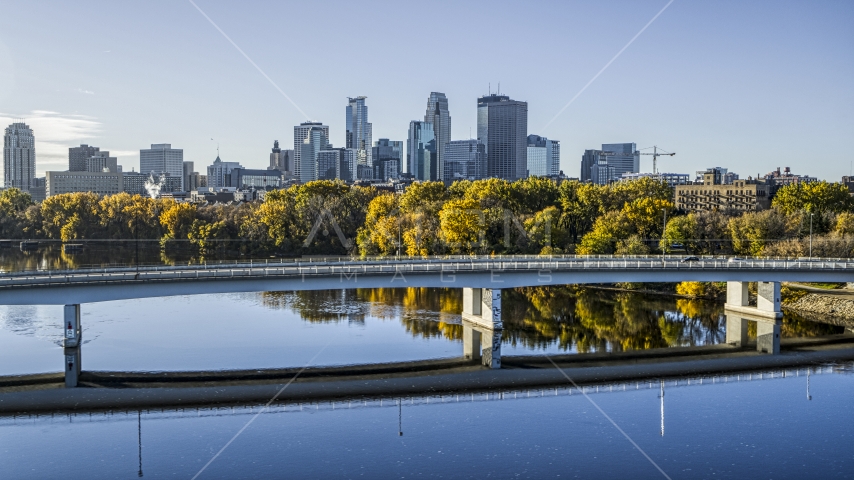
[464, 160]
[590, 158]
[388, 158]
[300, 133]
[281, 160]
[19, 156]
[102, 160]
[502, 126]
[421, 151]
[543, 156]
[219, 173]
[77, 157]
[440, 117]
[315, 140]
[359, 130]
[187, 174]
[162, 158]
[623, 158]
[336, 163]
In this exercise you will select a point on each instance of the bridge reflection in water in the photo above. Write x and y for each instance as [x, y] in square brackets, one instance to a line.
[573, 319]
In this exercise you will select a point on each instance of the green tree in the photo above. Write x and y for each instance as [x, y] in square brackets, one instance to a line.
[813, 197]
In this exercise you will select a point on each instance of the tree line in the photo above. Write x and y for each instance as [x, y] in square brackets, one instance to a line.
[492, 216]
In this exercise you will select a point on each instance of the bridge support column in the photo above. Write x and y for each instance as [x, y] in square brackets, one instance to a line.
[768, 299]
[482, 326]
[73, 337]
[72, 366]
[736, 330]
[736, 294]
[73, 331]
[768, 336]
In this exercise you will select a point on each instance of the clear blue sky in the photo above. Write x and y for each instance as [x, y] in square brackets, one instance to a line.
[748, 85]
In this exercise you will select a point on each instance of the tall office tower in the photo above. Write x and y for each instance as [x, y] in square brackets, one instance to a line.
[464, 160]
[502, 126]
[421, 151]
[625, 158]
[300, 132]
[543, 156]
[101, 161]
[281, 160]
[219, 173]
[438, 115]
[590, 158]
[388, 158]
[315, 140]
[336, 164]
[188, 173]
[359, 130]
[77, 157]
[162, 158]
[19, 157]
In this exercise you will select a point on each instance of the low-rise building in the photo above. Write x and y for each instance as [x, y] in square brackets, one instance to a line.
[134, 183]
[102, 183]
[672, 179]
[251, 178]
[777, 179]
[849, 182]
[740, 196]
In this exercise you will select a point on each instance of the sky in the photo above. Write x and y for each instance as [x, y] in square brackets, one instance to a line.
[746, 85]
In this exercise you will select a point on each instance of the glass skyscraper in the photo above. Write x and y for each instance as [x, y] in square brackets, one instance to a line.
[623, 157]
[421, 151]
[440, 117]
[543, 156]
[464, 160]
[359, 130]
[388, 157]
[502, 126]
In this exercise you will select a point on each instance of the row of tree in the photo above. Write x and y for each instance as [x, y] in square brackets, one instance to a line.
[533, 216]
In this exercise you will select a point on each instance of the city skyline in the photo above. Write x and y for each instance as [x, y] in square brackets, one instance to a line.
[713, 97]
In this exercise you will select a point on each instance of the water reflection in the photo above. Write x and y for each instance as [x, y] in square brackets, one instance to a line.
[577, 319]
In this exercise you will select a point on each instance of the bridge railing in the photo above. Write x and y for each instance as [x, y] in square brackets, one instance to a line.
[325, 260]
[385, 265]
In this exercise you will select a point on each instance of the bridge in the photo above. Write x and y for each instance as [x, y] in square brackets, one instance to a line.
[481, 277]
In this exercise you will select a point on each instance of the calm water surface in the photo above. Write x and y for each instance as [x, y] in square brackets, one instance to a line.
[762, 429]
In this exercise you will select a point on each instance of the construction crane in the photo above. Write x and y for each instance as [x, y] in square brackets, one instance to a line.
[655, 154]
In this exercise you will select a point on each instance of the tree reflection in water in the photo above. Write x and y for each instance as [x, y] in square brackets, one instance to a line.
[573, 318]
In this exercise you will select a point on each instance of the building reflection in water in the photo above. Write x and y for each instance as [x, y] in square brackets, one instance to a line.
[573, 318]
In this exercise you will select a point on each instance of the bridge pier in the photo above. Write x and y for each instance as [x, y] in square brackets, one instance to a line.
[736, 330]
[72, 366]
[482, 326]
[73, 331]
[72, 344]
[767, 314]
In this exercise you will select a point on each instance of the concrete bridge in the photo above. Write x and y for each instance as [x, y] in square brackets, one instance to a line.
[481, 278]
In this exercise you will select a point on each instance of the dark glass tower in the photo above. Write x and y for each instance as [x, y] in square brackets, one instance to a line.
[502, 126]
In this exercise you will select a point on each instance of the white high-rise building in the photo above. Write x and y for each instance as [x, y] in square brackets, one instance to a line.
[300, 132]
[543, 156]
[315, 140]
[19, 157]
[162, 158]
